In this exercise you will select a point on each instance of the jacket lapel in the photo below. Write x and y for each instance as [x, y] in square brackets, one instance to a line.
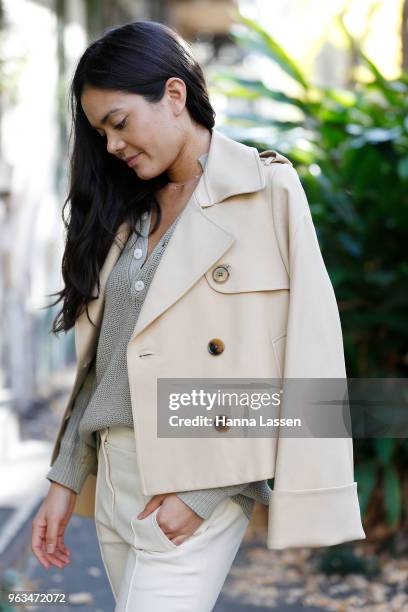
[196, 244]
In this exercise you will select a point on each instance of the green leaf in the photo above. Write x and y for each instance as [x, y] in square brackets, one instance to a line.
[384, 449]
[350, 245]
[365, 474]
[392, 496]
[255, 89]
[402, 168]
[264, 42]
[343, 97]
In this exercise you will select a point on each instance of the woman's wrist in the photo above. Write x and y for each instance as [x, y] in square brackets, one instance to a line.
[54, 484]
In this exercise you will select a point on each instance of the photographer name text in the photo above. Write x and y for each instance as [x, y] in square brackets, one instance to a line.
[222, 421]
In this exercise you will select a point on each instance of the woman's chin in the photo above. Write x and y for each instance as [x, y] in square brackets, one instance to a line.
[145, 175]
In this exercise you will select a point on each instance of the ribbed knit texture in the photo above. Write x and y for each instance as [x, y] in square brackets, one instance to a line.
[104, 398]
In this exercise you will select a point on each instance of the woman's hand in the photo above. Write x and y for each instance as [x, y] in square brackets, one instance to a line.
[48, 526]
[177, 520]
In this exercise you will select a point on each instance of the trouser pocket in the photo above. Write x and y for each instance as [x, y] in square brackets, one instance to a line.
[150, 536]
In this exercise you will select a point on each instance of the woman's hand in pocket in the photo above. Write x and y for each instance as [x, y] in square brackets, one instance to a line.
[177, 520]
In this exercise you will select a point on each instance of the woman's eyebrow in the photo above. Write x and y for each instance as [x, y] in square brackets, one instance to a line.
[106, 117]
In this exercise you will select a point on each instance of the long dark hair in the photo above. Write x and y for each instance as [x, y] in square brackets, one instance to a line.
[138, 58]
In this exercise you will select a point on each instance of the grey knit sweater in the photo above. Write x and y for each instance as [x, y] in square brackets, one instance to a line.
[104, 398]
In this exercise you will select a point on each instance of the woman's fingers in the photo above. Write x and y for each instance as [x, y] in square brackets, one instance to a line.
[59, 555]
[151, 505]
[47, 542]
[37, 543]
[38, 546]
[180, 539]
[57, 559]
[61, 546]
[51, 535]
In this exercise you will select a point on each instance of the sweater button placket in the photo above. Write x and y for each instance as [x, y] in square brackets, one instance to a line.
[139, 258]
[139, 285]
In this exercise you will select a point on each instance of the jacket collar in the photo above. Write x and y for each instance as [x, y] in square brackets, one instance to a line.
[232, 168]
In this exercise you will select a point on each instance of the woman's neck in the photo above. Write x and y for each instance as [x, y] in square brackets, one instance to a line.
[172, 202]
[186, 167]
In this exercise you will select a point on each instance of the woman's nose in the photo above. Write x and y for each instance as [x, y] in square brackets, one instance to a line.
[114, 147]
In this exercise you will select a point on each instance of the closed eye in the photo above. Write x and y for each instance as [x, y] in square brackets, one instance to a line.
[118, 126]
[121, 125]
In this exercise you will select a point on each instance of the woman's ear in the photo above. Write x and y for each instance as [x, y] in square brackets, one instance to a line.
[176, 93]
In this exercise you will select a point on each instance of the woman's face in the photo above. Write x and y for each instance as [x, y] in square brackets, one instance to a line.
[154, 131]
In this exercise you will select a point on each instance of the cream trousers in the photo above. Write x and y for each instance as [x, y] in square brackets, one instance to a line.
[147, 572]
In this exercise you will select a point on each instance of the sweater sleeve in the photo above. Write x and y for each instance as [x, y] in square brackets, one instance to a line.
[204, 501]
[76, 459]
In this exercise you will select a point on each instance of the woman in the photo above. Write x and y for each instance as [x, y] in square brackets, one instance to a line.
[142, 240]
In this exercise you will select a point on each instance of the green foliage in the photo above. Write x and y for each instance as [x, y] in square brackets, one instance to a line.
[350, 148]
[351, 151]
[381, 463]
[343, 560]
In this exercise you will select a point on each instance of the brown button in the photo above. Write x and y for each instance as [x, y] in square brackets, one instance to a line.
[221, 427]
[216, 346]
[221, 273]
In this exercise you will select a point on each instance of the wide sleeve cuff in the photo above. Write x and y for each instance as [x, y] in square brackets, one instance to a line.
[314, 517]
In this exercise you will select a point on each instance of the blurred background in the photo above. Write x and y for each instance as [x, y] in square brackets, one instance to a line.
[325, 84]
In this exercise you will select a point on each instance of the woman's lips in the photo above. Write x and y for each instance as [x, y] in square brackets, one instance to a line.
[133, 160]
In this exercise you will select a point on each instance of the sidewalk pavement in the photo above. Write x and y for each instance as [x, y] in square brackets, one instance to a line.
[86, 583]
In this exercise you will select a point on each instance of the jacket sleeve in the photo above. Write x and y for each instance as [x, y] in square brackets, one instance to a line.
[314, 501]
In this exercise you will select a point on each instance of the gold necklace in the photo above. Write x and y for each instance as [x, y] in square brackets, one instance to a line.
[174, 186]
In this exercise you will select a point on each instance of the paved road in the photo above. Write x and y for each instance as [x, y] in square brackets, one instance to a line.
[84, 577]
